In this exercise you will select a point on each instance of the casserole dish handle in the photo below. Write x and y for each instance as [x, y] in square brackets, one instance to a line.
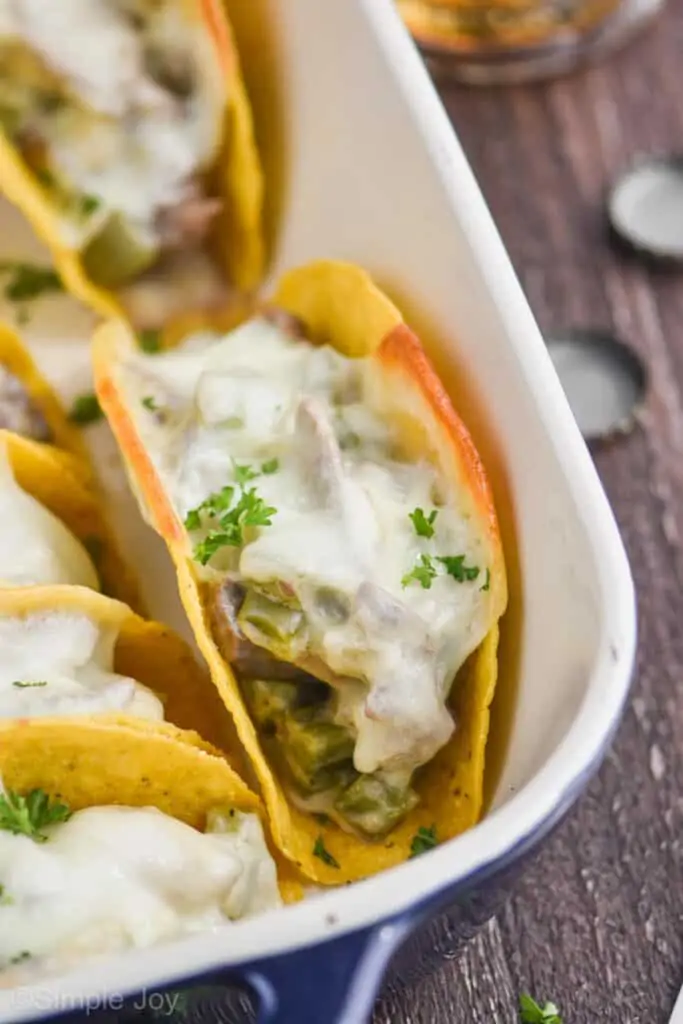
[334, 981]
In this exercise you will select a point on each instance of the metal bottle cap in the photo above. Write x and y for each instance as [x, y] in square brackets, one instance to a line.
[645, 206]
[604, 380]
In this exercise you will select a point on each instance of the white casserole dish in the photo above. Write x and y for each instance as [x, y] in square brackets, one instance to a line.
[365, 167]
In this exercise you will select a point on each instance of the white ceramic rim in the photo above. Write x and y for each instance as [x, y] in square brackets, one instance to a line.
[526, 813]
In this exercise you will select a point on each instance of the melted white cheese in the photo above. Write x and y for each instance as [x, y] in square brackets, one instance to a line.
[64, 663]
[36, 548]
[118, 135]
[343, 497]
[112, 878]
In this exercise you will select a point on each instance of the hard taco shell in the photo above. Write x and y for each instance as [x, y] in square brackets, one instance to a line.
[235, 178]
[54, 480]
[340, 305]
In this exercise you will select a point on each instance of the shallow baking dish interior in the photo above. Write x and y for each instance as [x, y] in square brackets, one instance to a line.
[363, 166]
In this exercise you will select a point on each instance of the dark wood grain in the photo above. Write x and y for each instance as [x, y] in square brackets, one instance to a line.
[598, 923]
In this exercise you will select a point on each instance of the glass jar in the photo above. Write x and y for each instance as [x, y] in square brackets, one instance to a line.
[485, 42]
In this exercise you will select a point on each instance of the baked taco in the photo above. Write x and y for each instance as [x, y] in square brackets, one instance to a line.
[143, 838]
[336, 542]
[131, 152]
[29, 407]
[54, 530]
[70, 651]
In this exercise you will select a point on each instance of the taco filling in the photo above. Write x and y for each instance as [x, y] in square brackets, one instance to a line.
[35, 546]
[18, 410]
[110, 878]
[344, 580]
[117, 107]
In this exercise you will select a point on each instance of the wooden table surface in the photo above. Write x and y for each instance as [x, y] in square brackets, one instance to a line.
[597, 924]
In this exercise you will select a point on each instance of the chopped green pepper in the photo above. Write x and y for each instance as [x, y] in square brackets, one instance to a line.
[318, 754]
[269, 700]
[374, 807]
[271, 618]
[117, 253]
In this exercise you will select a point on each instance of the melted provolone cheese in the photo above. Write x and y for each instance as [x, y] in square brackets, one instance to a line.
[115, 133]
[61, 663]
[112, 878]
[36, 548]
[343, 494]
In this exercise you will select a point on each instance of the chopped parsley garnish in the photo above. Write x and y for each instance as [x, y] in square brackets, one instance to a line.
[424, 572]
[5, 898]
[89, 204]
[213, 542]
[322, 853]
[455, 567]
[150, 341]
[150, 404]
[249, 510]
[86, 409]
[424, 525]
[243, 474]
[216, 503]
[20, 957]
[25, 684]
[27, 281]
[531, 1013]
[486, 585]
[270, 467]
[423, 840]
[29, 815]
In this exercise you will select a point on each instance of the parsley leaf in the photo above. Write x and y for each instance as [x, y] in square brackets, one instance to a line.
[424, 525]
[250, 510]
[532, 1013]
[5, 898]
[213, 542]
[88, 205]
[150, 341]
[486, 585]
[25, 684]
[270, 467]
[218, 502]
[149, 403]
[30, 814]
[423, 840]
[86, 409]
[455, 567]
[423, 571]
[322, 853]
[243, 474]
[20, 957]
[27, 281]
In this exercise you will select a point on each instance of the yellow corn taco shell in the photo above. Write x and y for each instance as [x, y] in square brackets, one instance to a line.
[43, 473]
[340, 305]
[40, 417]
[235, 241]
[88, 762]
[146, 651]
[184, 765]
[103, 762]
